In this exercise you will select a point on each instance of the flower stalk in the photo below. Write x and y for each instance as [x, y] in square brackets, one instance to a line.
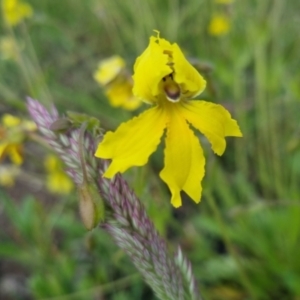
[125, 219]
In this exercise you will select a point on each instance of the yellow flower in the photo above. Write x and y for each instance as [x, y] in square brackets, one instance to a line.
[120, 94]
[15, 11]
[112, 75]
[7, 175]
[57, 180]
[219, 25]
[10, 121]
[13, 150]
[109, 69]
[12, 135]
[163, 77]
[8, 48]
[224, 1]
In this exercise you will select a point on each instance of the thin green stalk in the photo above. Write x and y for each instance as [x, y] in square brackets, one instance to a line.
[279, 168]
[240, 111]
[105, 288]
[11, 98]
[262, 119]
[229, 246]
[22, 63]
[36, 65]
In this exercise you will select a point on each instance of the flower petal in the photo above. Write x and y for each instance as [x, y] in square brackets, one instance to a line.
[149, 69]
[213, 120]
[186, 75]
[120, 94]
[15, 153]
[10, 121]
[184, 160]
[133, 142]
[108, 69]
[3, 149]
[59, 182]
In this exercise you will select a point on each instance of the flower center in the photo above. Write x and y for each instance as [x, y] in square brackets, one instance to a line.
[171, 88]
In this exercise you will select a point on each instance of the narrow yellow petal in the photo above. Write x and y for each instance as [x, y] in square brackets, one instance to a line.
[133, 142]
[213, 120]
[3, 149]
[184, 160]
[15, 153]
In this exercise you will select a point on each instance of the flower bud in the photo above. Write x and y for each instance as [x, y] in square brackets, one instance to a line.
[90, 206]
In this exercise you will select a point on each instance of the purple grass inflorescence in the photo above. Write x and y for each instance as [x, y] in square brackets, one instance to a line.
[170, 276]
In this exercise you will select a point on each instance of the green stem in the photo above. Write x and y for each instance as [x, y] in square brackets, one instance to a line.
[21, 62]
[36, 66]
[229, 246]
[105, 288]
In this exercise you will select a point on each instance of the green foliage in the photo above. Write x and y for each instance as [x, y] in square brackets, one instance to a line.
[61, 257]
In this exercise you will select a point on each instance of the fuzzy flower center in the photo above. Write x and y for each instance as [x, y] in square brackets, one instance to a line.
[171, 88]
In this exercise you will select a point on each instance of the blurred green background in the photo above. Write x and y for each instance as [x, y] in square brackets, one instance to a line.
[243, 239]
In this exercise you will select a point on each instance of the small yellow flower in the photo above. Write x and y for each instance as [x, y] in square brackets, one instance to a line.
[109, 69]
[8, 175]
[224, 1]
[13, 150]
[57, 180]
[6, 179]
[15, 11]
[8, 48]
[120, 94]
[113, 77]
[12, 135]
[164, 78]
[219, 25]
[10, 121]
